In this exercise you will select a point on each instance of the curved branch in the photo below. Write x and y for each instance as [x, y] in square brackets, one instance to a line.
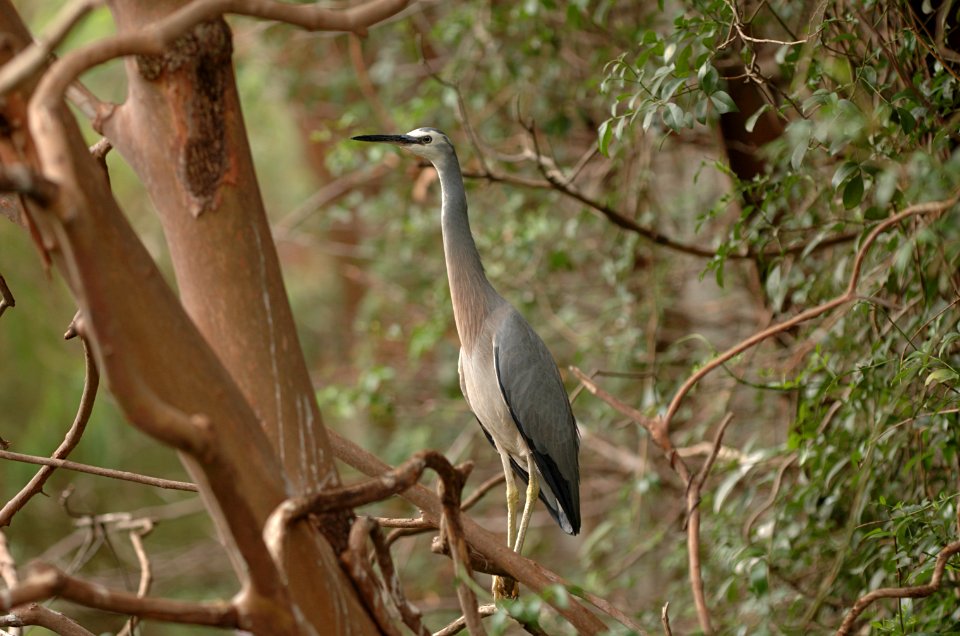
[46, 581]
[915, 591]
[520, 568]
[38, 52]
[153, 40]
[849, 295]
[36, 614]
[70, 440]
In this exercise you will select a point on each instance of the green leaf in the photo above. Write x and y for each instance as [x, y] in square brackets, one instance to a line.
[752, 121]
[853, 193]
[605, 136]
[941, 375]
[709, 78]
[723, 103]
[796, 157]
[843, 173]
[906, 119]
[673, 117]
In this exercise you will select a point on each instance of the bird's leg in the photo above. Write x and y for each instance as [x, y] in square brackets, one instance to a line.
[513, 496]
[533, 491]
[505, 587]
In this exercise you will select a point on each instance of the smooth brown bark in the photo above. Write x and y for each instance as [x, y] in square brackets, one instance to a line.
[166, 378]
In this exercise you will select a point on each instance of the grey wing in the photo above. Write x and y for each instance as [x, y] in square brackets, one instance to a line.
[538, 403]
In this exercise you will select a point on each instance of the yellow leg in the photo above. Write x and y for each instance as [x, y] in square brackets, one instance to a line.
[513, 497]
[533, 491]
[507, 587]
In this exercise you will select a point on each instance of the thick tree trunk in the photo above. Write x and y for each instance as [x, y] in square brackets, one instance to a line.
[238, 431]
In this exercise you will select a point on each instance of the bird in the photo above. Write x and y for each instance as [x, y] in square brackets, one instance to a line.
[508, 377]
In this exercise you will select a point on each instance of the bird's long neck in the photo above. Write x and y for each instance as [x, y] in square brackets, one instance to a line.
[473, 296]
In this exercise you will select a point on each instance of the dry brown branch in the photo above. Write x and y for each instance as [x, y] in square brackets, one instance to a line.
[460, 624]
[169, 484]
[661, 437]
[665, 619]
[6, 297]
[388, 484]
[70, 440]
[411, 615]
[372, 590]
[914, 591]
[36, 614]
[153, 40]
[21, 179]
[44, 581]
[482, 490]
[145, 527]
[38, 53]
[487, 544]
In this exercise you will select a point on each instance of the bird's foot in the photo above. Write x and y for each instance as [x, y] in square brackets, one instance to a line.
[504, 588]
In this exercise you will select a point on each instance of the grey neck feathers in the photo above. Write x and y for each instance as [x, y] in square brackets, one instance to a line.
[473, 296]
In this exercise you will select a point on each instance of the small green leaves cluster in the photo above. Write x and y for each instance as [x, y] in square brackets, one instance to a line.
[671, 83]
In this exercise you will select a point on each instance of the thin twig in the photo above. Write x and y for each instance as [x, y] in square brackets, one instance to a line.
[665, 619]
[460, 624]
[146, 571]
[169, 484]
[70, 440]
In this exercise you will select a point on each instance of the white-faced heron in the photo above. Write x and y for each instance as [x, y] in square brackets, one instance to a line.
[507, 374]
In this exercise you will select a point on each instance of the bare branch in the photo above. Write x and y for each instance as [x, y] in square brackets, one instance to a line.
[169, 484]
[915, 591]
[460, 624]
[36, 614]
[20, 178]
[137, 534]
[390, 483]
[358, 567]
[151, 41]
[490, 546]
[665, 619]
[70, 440]
[45, 581]
[38, 53]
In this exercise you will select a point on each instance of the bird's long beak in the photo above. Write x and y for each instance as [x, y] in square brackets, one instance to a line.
[399, 140]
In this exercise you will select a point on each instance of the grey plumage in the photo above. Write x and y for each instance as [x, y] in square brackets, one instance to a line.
[507, 374]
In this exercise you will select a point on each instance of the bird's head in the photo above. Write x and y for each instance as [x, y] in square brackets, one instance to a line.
[429, 143]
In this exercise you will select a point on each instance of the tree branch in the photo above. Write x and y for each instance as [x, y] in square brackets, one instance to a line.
[45, 581]
[915, 591]
[102, 472]
[527, 572]
[70, 440]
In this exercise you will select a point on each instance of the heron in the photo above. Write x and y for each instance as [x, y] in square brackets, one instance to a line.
[507, 375]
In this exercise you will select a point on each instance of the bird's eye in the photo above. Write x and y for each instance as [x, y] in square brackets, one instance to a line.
[426, 140]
